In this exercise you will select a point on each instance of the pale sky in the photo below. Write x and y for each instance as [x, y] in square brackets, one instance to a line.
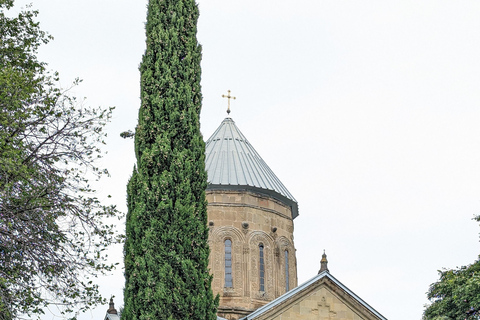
[367, 111]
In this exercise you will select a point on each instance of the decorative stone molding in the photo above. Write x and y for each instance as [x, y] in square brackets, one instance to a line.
[229, 292]
[223, 232]
[256, 238]
[263, 295]
[217, 259]
[219, 201]
[248, 219]
[282, 244]
[245, 226]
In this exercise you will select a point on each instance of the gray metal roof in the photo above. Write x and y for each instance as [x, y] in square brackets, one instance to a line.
[232, 163]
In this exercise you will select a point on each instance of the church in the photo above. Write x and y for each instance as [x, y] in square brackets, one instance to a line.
[251, 221]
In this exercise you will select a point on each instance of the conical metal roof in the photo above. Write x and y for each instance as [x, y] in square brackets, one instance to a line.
[232, 163]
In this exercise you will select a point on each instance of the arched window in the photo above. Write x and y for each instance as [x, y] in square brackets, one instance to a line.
[287, 287]
[228, 264]
[262, 268]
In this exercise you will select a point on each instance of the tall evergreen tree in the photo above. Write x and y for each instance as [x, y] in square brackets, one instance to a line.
[166, 248]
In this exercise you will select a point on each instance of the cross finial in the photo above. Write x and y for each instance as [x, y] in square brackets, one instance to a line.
[323, 263]
[228, 96]
[111, 309]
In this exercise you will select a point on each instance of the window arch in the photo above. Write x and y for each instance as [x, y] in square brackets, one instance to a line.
[287, 278]
[261, 267]
[228, 264]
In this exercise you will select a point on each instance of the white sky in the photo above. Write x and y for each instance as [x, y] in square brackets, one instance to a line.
[368, 111]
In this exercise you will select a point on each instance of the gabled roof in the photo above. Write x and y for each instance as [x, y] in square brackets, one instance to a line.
[232, 163]
[112, 313]
[305, 286]
[111, 316]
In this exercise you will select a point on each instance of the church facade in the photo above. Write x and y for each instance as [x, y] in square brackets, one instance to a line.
[323, 297]
[252, 251]
[252, 256]
[250, 215]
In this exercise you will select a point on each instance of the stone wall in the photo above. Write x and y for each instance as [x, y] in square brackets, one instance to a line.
[321, 305]
[249, 220]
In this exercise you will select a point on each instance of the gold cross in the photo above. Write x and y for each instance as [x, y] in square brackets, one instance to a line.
[229, 97]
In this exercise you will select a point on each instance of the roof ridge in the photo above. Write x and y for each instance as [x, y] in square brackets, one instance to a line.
[304, 286]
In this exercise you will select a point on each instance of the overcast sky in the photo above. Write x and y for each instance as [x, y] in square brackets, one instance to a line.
[367, 111]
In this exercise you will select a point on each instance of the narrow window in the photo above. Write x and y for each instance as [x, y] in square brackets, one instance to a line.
[228, 264]
[262, 269]
[287, 287]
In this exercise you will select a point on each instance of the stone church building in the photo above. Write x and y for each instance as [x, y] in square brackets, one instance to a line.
[252, 257]
[251, 220]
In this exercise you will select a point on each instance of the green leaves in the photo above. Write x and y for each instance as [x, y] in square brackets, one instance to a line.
[166, 249]
[456, 295]
[52, 230]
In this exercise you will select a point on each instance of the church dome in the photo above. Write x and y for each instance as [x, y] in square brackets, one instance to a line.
[233, 164]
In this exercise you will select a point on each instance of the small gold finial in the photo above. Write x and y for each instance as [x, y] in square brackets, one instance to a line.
[323, 263]
[229, 97]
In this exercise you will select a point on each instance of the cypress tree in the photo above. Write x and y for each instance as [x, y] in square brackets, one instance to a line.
[166, 249]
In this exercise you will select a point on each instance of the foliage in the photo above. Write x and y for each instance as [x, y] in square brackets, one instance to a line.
[456, 295]
[52, 238]
[127, 134]
[166, 248]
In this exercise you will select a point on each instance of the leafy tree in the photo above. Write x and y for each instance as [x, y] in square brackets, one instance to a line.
[166, 248]
[52, 238]
[456, 295]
